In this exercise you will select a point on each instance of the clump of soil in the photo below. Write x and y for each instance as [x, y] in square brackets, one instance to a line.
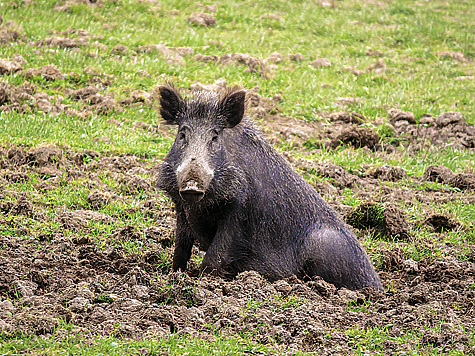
[378, 68]
[388, 173]
[173, 55]
[438, 173]
[120, 49]
[321, 62]
[253, 64]
[48, 72]
[396, 115]
[389, 221]
[61, 42]
[357, 137]
[203, 19]
[10, 32]
[463, 181]
[84, 93]
[9, 67]
[448, 129]
[99, 199]
[441, 174]
[297, 57]
[347, 118]
[353, 70]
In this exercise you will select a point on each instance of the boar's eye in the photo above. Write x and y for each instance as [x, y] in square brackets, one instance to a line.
[214, 138]
[181, 137]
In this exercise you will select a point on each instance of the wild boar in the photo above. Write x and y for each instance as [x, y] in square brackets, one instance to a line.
[244, 204]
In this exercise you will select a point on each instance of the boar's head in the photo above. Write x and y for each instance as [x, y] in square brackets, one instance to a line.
[198, 163]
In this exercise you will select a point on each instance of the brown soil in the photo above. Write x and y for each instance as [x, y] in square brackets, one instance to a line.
[48, 278]
[203, 19]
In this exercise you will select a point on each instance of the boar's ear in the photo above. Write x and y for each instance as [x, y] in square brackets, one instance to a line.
[171, 103]
[232, 108]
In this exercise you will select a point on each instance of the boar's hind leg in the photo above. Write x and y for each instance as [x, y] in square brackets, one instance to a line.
[183, 242]
[337, 257]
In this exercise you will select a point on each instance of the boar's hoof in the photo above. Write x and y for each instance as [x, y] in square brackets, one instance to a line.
[191, 193]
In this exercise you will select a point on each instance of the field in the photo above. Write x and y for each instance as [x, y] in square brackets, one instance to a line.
[371, 101]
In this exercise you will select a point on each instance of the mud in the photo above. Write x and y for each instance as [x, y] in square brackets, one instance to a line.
[48, 279]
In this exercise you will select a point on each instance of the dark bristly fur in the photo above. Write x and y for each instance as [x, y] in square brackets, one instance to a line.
[244, 204]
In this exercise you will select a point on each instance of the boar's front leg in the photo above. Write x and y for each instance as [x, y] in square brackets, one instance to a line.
[229, 252]
[183, 242]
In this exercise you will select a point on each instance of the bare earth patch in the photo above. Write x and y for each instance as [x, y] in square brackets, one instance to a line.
[132, 295]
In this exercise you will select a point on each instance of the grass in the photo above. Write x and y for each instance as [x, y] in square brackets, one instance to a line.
[74, 344]
[370, 340]
[411, 35]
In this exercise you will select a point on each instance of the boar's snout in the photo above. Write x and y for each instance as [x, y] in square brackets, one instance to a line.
[191, 192]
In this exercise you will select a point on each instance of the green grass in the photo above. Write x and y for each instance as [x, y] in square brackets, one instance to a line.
[74, 344]
[370, 340]
[400, 30]
[412, 35]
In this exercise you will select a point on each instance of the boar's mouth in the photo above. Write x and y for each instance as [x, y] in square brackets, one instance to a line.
[191, 192]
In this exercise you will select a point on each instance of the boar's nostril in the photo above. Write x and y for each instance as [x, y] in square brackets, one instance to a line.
[191, 193]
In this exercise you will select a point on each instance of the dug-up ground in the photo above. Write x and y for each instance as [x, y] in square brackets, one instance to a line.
[65, 279]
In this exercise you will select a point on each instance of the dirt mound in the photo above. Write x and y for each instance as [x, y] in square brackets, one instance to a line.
[356, 137]
[448, 129]
[48, 72]
[388, 173]
[173, 55]
[253, 64]
[49, 278]
[61, 42]
[396, 115]
[15, 96]
[345, 117]
[9, 67]
[438, 174]
[203, 19]
[389, 221]
[339, 177]
[38, 157]
[10, 32]
[463, 181]
[124, 296]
